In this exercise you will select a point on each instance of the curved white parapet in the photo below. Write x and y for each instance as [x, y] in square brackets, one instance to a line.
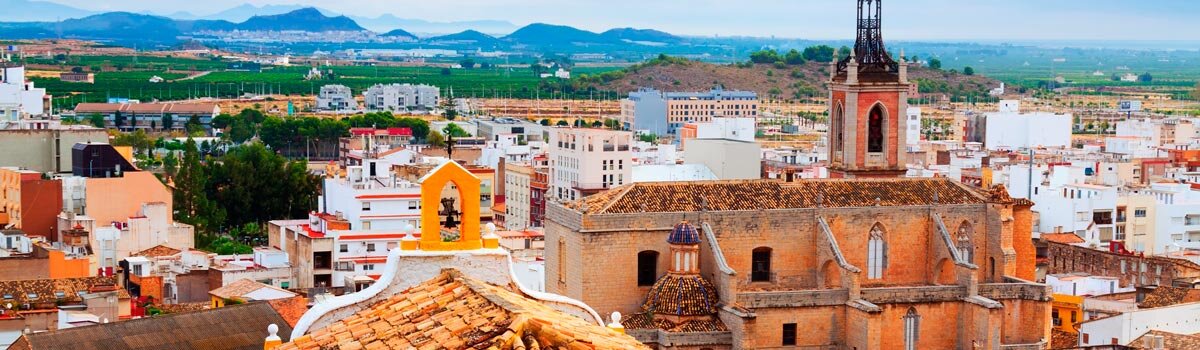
[493, 266]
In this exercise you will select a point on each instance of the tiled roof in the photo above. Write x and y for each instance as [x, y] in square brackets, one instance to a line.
[646, 321]
[682, 295]
[239, 288]
[455, 312]
[1065, 238]
[1060, 339]
[157, 251]
[1173, 341]
[48, 290]
[1167, 296]
[230, 327]
[184, 307]
[666, 197]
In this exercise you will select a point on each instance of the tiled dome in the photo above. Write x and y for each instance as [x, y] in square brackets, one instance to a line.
[684, 233]
[682, 295]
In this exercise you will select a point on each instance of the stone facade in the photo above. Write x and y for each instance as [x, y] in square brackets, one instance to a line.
[1131, 270]
[963, 295]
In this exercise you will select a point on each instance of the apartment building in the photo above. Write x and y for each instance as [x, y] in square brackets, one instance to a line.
[401, 97]
[149, 116]
[585, 161]
[517, 192]
[336, 98]
[662, 113]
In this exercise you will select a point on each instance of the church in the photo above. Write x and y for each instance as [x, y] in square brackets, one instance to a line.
[866, 260]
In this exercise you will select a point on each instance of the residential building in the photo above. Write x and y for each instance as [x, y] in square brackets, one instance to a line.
[497, 128]
[24, 258]
[336, 98]
[585, 161]
[46, 150]
[266, 265]
[309, 249]
[660, 113]
[739, 129]
[39, 304]
[400, 97]
[168, 275]
[150, 116]
[488, 185]
[375, 143]
[1162, 218]
[73, 77]
[19, 93]
[1131, 270]
[913, 125]
[1010, 129]
[517, 192]
[29, 202]
[1082, 284]
[1128, 326]
[728, 159]
[245, 291]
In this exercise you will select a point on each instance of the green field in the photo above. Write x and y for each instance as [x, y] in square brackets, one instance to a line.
[133, 81]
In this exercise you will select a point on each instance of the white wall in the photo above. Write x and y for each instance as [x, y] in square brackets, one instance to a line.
[1182, 319]
[1014, 131]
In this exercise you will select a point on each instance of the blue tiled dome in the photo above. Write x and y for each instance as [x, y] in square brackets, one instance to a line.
[684, 233]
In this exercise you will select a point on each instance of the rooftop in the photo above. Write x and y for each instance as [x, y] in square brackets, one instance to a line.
[67, 290]
[666, 197]
[157, 251]
[1065, 237]
[453, 311]
[247, 289]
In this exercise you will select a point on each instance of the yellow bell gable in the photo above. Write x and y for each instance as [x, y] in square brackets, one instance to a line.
[468, 194]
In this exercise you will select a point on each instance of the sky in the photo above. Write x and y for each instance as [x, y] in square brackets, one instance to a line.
[1017, 20]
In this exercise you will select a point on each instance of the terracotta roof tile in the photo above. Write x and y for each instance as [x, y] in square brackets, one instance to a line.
[1167, 296]
[48, 291]
[1065, 238]
[1173, 341]
[454, 312]
[664, 197]
[682, 295]
[157, 251]
[239, 288]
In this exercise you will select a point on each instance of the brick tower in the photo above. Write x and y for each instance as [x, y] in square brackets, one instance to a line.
[868, 96]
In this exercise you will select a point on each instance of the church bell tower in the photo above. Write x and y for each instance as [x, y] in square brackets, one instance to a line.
[868, 96]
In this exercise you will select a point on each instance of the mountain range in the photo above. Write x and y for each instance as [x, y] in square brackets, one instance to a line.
[133, 27]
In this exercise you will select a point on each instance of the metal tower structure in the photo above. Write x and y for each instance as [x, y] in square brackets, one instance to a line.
[869, 51]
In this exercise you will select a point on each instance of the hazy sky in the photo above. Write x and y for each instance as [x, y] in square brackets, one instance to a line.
[815, 19]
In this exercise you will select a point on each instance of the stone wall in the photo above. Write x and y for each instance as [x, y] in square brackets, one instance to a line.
[1132, 270]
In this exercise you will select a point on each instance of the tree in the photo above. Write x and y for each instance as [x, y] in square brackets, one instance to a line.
[170, 165]
[435, 139]
[445, 71]
[612, 124]
[193, 126]
[544, 122]
[168, 122]
[77, 69]
[935, 63]
[968, 71]
[96, 120]
[764, 56]
[453, 129]
[562, 123]
[467, 63]
[819, 53]
[222, 121]
[648, 138]
[597, 123]
[118, 120]
[793, 57]
[1145, 77]
[843, 52]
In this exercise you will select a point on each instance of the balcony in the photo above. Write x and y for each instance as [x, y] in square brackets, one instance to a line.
[590, 186]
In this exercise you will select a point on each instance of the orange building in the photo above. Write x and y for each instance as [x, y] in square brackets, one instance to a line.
[30, 203]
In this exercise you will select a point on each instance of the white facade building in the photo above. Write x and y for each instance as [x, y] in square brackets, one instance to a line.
[336, 98]
[1009, 129]
[399, 97]
[913, 125]
[16, 94]
[584, 161]
[1085, 285]
[517, 206]
[1126, 327]
[738, 129]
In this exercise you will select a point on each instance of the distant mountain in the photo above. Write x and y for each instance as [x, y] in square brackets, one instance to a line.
[39, 11]
[388, 21]
[466, 35]
[641, 35]
[112, 26]
[399, 33]
[306, 19]
[541, 34]
[246, 11]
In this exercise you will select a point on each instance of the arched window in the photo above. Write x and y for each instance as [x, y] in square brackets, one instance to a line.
[839, 116]
[876, 253]
[912, 326]
[647, 269]
[963, 242]
[875, 128]
[760, 265]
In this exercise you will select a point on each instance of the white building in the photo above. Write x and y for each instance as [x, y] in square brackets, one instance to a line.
[1085, 285]
[400, 97]
[738, 129]
[517, 206]
[512, 148]
[336, 98]
[18, 94]
[1009, 129]
[913, 125]
[1065, 204]
[584, 161]
[1126, 327]
[1175, 216]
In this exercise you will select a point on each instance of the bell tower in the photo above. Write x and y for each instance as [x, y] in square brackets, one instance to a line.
[868, 96]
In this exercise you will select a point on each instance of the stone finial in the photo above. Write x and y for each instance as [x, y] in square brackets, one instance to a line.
[273, 339]
[410, 240]
[490, 239]
[852, 69]
[903, 68]
[615, 323]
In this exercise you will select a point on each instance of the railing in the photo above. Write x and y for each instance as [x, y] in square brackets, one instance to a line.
[584, 186]
[802, 298]
[914, 294]
[1023, 291]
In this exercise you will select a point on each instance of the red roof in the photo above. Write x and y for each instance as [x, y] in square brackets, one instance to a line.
[1067, 238]
[312, 234]
[362, 131]
[399, 131]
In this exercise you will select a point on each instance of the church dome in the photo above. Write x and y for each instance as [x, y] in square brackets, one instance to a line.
[682, 295]
[684, 233]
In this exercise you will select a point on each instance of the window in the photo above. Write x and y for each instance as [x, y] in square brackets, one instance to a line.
[366, 225]
[344, 248]
[875, 130]
[412, 205]
[370, 247]
[368, 267]
[912, 326]
[966, 251]
[837, 128]
[647, 267]
[876, 253]
[760, 265]
[366, 206]
[344, 266]
[1139, 213]
[789, 334]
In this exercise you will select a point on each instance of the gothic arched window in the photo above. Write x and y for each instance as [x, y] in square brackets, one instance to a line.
[876, 253]
[912, 326]
[875, 133]
[963, 242]
[839, 123]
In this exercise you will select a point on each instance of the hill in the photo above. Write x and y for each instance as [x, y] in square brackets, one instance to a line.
[244, 12]
[306, 19]
[466, 36]
[400, 33]
[386, 21]
[641, 35]
[789, 82]
[541, 34]
[40, 11]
